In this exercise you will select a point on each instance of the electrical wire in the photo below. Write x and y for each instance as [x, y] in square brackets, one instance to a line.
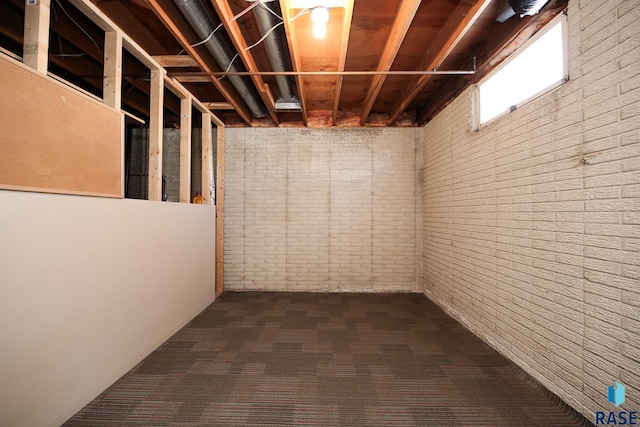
[78, 25]
[239, 15]
[264, 6]
[246, 10]
[271, 30]
[208, 37]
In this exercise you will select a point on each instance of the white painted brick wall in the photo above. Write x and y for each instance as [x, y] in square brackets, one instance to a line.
[535, 252]
[320, 209]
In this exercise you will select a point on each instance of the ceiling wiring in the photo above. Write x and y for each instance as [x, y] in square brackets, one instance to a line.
[78, 25]
[271, 30]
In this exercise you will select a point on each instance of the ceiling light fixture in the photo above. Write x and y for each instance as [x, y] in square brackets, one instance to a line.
[319, 31]
[319, 17]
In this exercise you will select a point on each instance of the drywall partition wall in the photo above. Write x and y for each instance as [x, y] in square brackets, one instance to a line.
[532, 224]
[88, 287]
[320, 209]
[66, 142]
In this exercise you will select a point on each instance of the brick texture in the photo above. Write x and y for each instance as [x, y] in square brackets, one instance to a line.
[531, 225]
[527, 231]
[321, 209]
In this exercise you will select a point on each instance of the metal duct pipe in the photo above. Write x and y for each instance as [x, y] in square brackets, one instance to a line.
[520, 7]
[278, 56]
[201, 22]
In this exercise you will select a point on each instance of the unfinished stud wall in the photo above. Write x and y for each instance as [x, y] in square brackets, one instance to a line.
[320, 209]
[532, 224]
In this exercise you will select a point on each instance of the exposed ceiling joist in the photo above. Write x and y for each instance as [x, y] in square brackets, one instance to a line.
[179, 35]
[344, 44]
[510, 36]
[401, 24]
[218, 105]
[295, 58]
[170, 61]
[231, 25]
[378, 37]
[456, 27]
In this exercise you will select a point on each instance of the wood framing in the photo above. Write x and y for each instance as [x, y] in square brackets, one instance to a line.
[112, 87]
[103, 21]
[36, 56]
[169, 61]
[219, 211]
[207, 157]
[185, 150]
[406, 11]
[157, 8]
[194, 79]
[36, 35]
[448, 38]
[511, 35]
[224, 11]
[218, 105]
[295, 58]
[344, 44]
[155, 135]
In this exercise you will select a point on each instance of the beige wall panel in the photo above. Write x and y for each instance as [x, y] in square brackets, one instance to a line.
[56, 139]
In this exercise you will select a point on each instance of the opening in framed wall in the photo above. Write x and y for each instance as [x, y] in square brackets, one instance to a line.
[171, 147]
[76, 48]
[135, 104]
[12, 29]
[539, 66]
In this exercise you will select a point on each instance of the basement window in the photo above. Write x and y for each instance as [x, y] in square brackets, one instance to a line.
[540, 66]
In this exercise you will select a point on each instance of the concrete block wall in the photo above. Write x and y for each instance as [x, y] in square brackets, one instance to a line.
[171, 163]
[320, 209]
[531, 226]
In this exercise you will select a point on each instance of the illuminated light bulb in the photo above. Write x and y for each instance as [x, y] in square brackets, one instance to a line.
[320, 15]
[319, 31]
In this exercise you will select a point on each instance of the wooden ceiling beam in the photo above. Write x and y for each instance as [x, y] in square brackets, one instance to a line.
[344, 44]
[406, 12]
[132, 26]
[170, 61]
[295, 58]
[218, 105]
[164, 17]
[71, 33]
[234, 32]
[464, 16]
[193, 79]
[509, 36]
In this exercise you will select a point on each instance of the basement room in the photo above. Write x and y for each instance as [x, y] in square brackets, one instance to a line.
[319, 213]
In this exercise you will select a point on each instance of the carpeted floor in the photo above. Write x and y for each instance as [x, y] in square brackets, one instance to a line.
[301, 359]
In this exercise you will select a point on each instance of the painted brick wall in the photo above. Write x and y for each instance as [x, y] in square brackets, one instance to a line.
[320, 209]
[532, 225]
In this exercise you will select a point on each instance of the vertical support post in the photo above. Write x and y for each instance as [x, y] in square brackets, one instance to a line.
[112, 85]
[36, 34]
[220, 211]
[207, 158]
[185, 150]
[155, 134]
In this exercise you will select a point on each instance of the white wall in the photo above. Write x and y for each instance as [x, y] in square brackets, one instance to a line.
[532, 224]
[89, 287]
[320, 209]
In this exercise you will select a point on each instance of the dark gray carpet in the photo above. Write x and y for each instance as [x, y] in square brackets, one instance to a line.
[282, 359]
